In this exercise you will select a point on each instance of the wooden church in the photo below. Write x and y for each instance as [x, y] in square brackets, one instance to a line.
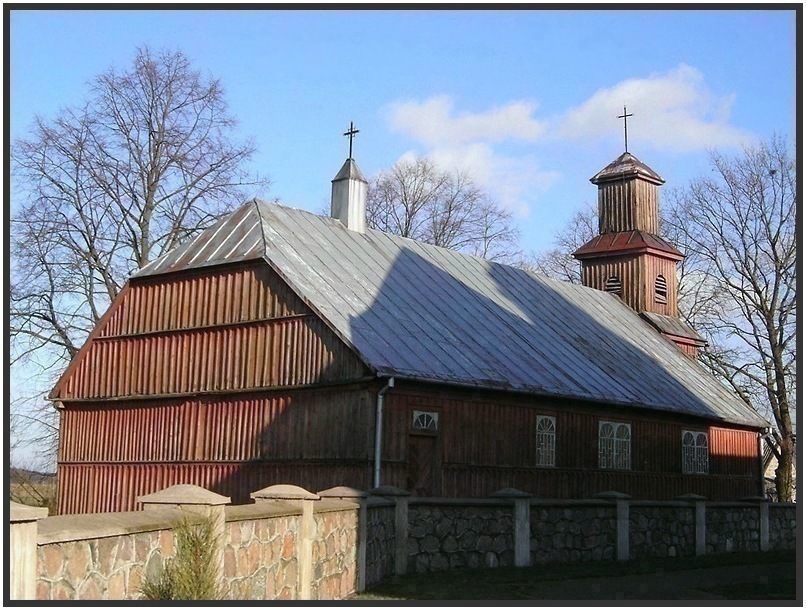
[280, 346]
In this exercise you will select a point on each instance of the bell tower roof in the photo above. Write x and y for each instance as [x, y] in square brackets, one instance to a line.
[627, 166]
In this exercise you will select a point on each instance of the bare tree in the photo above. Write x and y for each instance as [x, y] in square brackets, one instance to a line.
[416, 199]
[738, 229]
[558, 262]
[736, 285]
[103, 189]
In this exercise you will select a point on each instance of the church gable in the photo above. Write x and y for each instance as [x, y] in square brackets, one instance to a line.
[223, 328]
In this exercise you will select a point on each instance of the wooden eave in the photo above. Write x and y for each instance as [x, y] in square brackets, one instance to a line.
[627, 243]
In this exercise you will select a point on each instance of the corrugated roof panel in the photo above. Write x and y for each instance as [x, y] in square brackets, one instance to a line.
[234, 238]
[418, 311]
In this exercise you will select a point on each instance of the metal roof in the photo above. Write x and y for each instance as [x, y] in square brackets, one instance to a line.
[416, 311]
[626, 241]
[671, 326]
[349, 170]
[627, 165]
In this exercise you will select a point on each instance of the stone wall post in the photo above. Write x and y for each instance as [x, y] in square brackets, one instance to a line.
[763, 521]
[622, 522]
[699, 521]
[522, 532]
[307, 529]
[22, 535]
[401, 499]
[195, 500]
[355, 495]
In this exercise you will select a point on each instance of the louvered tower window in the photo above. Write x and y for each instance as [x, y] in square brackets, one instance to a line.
[660, 289]
[613, 285]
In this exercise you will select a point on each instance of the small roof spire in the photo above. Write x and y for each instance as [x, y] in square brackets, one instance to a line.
[621, 116]
[350, 133]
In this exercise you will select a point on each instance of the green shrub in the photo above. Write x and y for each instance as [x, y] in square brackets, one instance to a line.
[192, 573]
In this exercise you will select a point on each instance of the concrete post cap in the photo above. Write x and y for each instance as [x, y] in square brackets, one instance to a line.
[22, 512]
[612, 495]
[283, 492]
[510, 492]
[691, 498]
[184, 494]
[389, 490]
[343, 492]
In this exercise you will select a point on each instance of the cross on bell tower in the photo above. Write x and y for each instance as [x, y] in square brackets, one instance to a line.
[621, 116]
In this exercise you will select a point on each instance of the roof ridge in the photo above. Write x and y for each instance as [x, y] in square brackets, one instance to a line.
[257, 203]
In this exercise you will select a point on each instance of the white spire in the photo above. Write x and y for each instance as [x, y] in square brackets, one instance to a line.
[348, 201]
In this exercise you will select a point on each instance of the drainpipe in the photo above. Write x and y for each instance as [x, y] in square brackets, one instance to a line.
[390, 383]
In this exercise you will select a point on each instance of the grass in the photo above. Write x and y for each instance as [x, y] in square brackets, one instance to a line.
[523, 583]
[776, 588]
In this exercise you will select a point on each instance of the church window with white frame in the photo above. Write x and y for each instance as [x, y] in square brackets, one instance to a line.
[545, 440]
[695, 452]
[615, 440]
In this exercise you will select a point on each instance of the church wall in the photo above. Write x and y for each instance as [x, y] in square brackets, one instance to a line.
[487, 441]
[199, 377]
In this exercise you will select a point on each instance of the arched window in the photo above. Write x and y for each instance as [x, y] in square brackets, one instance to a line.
[695, 452]
[614, 445]
[613, 285]
[545, 440]
[660, 289]
[424, 420]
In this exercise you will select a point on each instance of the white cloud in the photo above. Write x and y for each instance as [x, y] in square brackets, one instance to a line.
[473, 142]
[674, 111]
[434, 122]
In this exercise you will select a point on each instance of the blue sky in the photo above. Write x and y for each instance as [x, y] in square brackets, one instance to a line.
[526, 100]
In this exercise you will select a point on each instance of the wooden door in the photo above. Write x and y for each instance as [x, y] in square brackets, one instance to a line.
[423, 465]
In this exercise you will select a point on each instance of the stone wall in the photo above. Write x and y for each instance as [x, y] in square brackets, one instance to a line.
[444, 535]
[260, 553]
[107, 564]
[380, 540]
[572, 531]
[783, 526]
[335, 553]
[666, 530]
[293, 544]
[731, 527]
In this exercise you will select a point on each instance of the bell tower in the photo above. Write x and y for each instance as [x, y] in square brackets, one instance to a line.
[628, 258]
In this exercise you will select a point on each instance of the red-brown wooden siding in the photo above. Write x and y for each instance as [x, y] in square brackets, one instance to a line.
[251, 332]
[115, 487]
[211, 435]
[182, 356]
